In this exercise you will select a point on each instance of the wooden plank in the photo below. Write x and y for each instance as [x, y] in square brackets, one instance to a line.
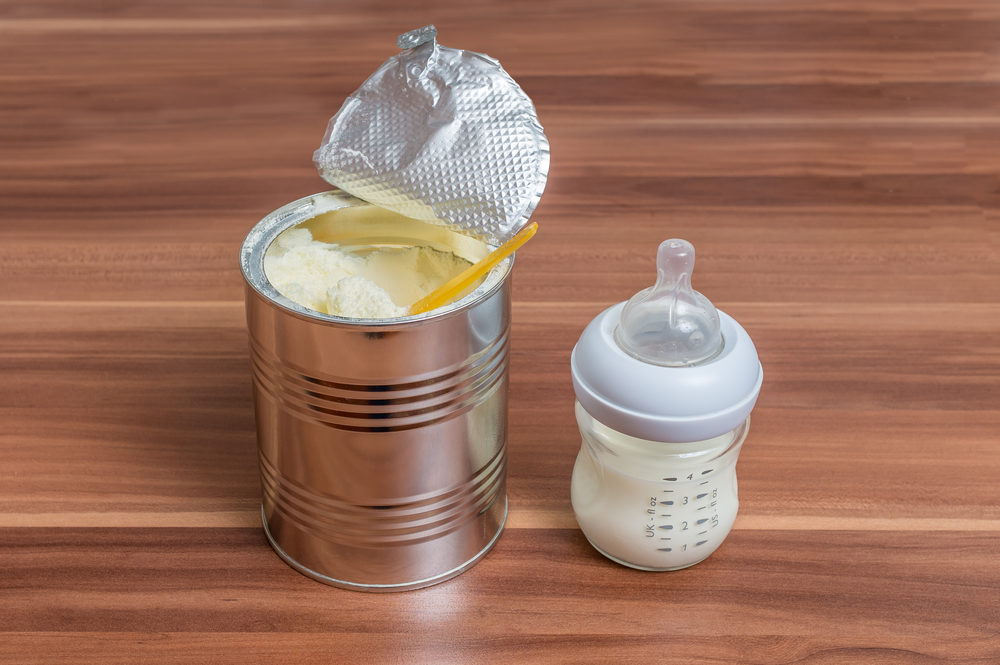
[160, 588]
[834, 162]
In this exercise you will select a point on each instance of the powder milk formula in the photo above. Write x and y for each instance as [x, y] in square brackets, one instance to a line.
[374, 283]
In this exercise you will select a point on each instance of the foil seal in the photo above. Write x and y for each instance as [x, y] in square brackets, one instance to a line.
[441, 135]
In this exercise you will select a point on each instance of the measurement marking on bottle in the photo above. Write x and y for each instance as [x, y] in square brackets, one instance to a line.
[702, 533]
[666, 527]
[665, 515]
[666, 503]
[671, 480]
[702, 495]
[702, 521]
[704, 482]
[701, 507]
[707, 471]
[665, 538]
[700, 542]
[668, 490]
[664, 549]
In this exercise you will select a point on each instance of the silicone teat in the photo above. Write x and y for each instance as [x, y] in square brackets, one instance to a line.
[670, 323]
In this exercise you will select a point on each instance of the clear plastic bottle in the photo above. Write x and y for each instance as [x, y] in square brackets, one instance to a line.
[665, 384]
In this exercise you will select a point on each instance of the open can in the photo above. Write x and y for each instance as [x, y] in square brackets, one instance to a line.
[381, 442]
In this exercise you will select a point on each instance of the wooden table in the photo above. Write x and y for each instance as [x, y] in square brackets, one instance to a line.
[835, 164]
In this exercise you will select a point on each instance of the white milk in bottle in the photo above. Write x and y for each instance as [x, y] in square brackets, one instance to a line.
[664, 384]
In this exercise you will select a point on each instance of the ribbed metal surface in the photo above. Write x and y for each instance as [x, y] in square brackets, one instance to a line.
[336, 402]
[382, 446]
[419, 519]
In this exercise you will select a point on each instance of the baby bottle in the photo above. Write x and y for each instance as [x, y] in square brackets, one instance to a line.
[664, 388]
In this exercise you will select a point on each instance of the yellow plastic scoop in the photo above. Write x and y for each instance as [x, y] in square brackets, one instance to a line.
[468, 277]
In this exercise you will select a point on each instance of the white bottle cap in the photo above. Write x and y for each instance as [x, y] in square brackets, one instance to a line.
[667, 366]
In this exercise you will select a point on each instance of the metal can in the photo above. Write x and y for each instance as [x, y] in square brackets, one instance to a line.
[382, 443]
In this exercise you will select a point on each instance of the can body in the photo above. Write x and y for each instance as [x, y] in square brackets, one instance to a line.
[382, 445]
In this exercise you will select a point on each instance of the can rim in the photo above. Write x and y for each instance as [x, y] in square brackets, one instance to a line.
[260, 237]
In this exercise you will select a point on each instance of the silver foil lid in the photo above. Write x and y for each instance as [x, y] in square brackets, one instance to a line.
[441, 135]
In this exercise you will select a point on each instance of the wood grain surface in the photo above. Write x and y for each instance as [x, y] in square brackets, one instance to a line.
[836, 164]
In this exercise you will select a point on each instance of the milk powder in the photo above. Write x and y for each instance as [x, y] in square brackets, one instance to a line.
[376, 284]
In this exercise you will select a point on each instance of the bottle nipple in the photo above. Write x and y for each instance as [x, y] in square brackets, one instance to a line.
[670, 323]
